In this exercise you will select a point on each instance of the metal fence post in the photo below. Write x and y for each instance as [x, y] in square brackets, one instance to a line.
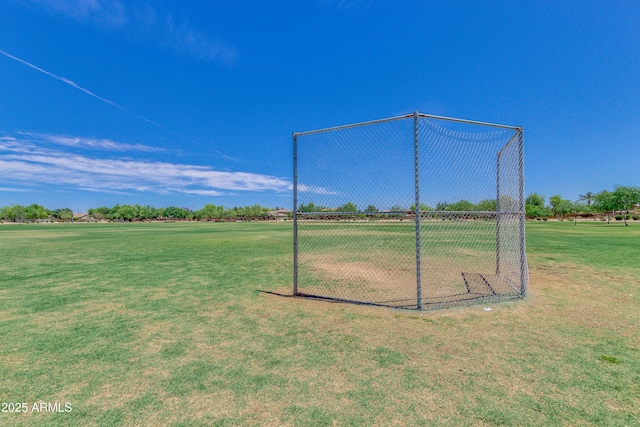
[498, 214]
[524, 274]
[417, 210]
[295, 214]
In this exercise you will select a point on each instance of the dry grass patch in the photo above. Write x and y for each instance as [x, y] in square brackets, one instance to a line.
[508, 350]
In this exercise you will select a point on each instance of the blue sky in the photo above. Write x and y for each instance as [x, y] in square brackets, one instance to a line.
[187, 103]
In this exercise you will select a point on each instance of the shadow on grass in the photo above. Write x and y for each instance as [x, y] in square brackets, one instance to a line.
[275, 293]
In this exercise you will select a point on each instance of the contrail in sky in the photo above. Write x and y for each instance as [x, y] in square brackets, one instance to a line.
[73, 84]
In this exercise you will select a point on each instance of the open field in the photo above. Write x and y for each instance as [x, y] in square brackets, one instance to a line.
[173, 324]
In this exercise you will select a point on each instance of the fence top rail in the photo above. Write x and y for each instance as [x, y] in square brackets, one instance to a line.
[471, 122]
[353, 125]
[406, 116]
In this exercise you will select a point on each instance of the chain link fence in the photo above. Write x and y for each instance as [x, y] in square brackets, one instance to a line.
[416, 211]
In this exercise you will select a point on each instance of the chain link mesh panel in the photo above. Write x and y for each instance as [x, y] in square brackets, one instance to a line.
[413, 211]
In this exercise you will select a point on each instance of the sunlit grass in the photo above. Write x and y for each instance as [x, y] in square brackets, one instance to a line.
[592, 243]
[165, 324]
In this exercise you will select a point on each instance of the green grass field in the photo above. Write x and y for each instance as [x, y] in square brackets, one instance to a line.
[174, 324]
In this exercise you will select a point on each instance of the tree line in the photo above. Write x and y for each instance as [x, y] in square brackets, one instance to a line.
[127, 212]
[350, 207]
[619, 202]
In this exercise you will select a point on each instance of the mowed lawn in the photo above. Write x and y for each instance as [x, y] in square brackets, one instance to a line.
[180, 324]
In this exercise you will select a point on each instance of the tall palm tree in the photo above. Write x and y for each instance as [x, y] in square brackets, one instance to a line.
[587, 197]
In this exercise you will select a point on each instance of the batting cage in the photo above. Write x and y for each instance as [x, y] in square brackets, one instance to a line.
[416, 211]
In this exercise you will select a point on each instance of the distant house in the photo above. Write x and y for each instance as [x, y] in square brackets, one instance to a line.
[280, 214]
[83, 217]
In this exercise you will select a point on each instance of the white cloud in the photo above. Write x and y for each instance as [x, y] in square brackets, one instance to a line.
[204, 192]
[14, 190]
[183, 39]
[144, 22]
[93, 143]
[22, 161]
[106, 14]
[314, 189]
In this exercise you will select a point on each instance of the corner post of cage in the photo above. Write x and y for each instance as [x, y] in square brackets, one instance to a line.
[498, 213]
[295, 214]
[524, 274]
[417, 212]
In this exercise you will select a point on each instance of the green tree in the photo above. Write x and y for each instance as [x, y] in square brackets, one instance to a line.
[586, 197]
[310, 207]
[625, 198]
[583, 207]
[4, 213]
[371, 208]
[462, 205]
[258, 212]
[347, 207]
[136, 210]
[231, 213]
[604, 202]
[265, 212]
[15, 213]
[559, 206]
[535, 208]
[220, 212]
[239, 212]
[399, 211]
[31, 212]
[441, 206]
[43, 213]
[534, 199]
[64, 214]
[125, 212]
[487, 205]
[208, 212]
[147, 212]
[423, 207]
[114, 211]
[175, 212]
[580, 207]
[102, 212]
[35, 212]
